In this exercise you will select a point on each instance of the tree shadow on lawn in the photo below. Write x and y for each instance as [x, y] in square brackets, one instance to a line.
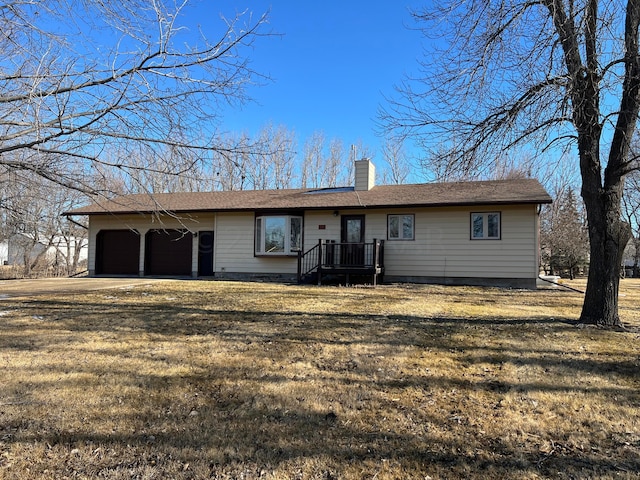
[523, 343]
[244, 433]
[258, 439]
[249, 421]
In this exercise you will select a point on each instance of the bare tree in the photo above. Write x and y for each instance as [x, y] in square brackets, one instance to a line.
[282, 152]
[327, 166]
[312, 162]
[230, 163]
[86, 82]
[273, 159]
[166, 170]
[42, 242]
[439, 162]
[395, 157]
[564, 240]
[509, 167]
[631, 210]
[9, 194]
[549, 76]
[335, 163]
[265, 162]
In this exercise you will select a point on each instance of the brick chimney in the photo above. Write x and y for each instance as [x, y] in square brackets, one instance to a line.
[365, 174]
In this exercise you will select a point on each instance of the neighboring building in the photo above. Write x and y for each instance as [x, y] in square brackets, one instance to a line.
[23, 247]
[4, 252]
[483, 233]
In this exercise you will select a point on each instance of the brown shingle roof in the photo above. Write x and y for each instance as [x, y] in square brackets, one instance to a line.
[498, 192]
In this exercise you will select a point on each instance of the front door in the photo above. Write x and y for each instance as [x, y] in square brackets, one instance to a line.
[205, 253]
[352, 238]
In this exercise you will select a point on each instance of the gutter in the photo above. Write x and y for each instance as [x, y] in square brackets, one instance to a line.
[77, 223]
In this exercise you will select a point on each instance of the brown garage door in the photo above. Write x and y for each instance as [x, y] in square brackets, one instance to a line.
[168, 252]
[117, 252]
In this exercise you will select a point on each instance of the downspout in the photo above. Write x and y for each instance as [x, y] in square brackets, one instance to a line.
[538, 259]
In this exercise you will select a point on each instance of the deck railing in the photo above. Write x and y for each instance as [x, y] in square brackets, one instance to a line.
[308, 261]
[328, 255]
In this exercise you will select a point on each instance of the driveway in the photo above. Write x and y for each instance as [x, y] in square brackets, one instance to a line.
[62, 286]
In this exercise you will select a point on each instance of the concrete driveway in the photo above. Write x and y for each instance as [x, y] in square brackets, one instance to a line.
[65, 286]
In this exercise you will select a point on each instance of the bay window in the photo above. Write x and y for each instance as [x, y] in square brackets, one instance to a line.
[278, 235]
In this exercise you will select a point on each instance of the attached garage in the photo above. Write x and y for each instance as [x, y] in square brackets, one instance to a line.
[168, 252]
[117, 252]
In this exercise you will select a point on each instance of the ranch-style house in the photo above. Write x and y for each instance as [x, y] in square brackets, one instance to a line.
[474, 233]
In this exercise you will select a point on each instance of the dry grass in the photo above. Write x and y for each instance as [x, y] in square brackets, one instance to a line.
[242, 380]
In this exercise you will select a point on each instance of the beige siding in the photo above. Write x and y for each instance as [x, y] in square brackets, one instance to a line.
[442, 245]
[234, 248]
[313, 231]
[375, 226]
[443, 248]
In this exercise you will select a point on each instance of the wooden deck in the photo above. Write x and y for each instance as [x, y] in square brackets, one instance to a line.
[376, 273]
[329, 259]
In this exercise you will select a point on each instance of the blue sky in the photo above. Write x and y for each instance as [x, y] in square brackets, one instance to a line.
[330, 67]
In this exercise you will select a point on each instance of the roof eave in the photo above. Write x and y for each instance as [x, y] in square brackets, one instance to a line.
[538, 201]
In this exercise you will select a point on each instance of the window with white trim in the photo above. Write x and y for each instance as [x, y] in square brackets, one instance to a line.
[278, 235]
[485, 226]
[400, 227]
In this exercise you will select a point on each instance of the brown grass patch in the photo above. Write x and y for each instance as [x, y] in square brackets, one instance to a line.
[244, 380]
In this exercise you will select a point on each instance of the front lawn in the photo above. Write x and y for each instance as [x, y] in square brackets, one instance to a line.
[195, 379]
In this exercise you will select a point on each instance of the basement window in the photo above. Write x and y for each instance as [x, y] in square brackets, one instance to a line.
[278, 235]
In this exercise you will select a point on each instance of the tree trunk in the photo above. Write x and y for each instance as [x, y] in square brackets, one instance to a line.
[608, 236]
